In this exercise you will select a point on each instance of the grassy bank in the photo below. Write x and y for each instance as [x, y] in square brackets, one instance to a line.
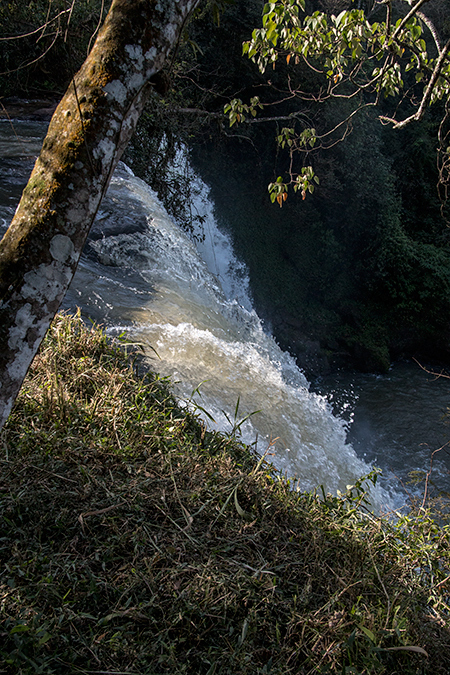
[133, 540]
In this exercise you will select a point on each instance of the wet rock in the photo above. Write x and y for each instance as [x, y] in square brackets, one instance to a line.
[28, 109]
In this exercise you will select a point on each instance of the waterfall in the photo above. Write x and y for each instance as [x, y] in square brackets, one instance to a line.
[142, 274]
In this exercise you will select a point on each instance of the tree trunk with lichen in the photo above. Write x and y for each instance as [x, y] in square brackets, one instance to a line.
[86, 138]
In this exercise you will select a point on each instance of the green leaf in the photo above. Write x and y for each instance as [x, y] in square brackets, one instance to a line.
[407, 648]
[20, 628]
[340, 17]
[45, 638]
[367, 632]
[239, 508]
[243, 632]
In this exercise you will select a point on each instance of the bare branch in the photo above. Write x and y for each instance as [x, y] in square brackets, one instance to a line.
[428, 92]
[347, 119]
[46, 22]
[97, 28]
[30, 63]
[33, 32]
[68, 19]
[432, 28]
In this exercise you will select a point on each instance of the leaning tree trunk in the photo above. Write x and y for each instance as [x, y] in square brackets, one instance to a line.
[86, 138]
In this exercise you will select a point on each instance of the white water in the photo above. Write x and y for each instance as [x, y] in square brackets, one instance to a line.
[154, 284]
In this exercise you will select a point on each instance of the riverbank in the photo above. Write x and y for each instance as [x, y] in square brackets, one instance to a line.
[134, 540]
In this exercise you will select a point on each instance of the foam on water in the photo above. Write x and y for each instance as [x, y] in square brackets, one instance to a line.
[202, 337]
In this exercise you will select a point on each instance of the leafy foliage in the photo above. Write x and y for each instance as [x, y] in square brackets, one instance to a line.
[347, 47]
[238, 110]
[362, 56]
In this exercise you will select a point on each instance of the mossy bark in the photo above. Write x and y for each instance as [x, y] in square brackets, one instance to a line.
[86, 138]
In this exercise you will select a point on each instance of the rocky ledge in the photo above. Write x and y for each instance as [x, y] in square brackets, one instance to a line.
[40, 110]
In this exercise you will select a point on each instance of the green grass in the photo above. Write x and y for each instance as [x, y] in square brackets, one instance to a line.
[134, 540]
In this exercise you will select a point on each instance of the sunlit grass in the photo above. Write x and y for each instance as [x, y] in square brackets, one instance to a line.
[134, 540]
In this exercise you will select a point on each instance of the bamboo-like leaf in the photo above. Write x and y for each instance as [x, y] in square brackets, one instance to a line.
[244, 632]
[367, 632]
[407, 648]
[239, 508]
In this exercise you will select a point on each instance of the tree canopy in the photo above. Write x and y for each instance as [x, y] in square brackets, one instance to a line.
[383, 49]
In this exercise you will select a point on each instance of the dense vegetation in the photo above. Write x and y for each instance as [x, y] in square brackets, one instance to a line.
[52, 43]
[133, 540]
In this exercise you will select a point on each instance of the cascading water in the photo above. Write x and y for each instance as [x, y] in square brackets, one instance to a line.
[140, 273]
[176, 307]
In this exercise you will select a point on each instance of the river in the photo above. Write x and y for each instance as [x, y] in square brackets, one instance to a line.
[188, 304]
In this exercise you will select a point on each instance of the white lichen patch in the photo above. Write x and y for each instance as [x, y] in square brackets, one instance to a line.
[61, 248]
[18, 368]
[25, 352]
[24, 320]
[130, 122]
[116, 90]
[105, 151]
[114, 126]
[136, 55]
[150, 55]
[170, 32]
[77, 210]
[136, 81]
[75, 216]
[46, 283]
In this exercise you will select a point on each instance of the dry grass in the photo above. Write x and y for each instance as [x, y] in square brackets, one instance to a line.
[133, 540]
